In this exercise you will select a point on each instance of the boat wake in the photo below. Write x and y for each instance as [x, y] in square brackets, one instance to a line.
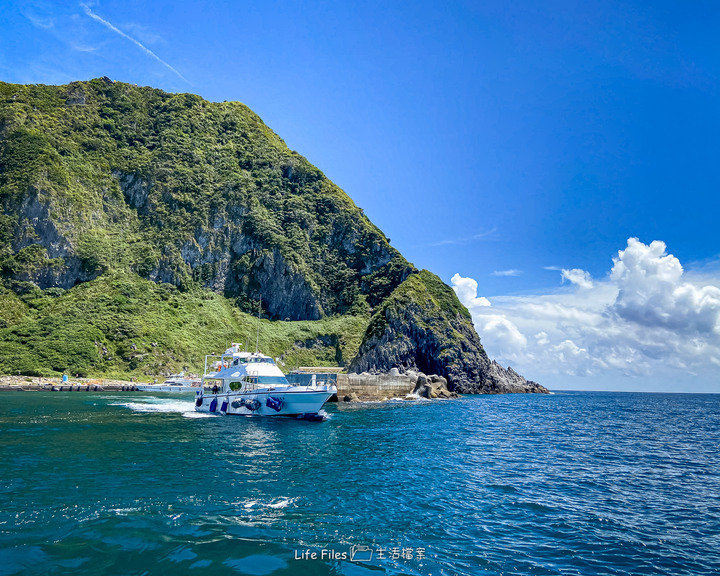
[166, 405]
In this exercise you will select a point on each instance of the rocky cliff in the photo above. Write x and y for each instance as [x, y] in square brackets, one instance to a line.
[102, 175]
[110, 184]
[422, 326]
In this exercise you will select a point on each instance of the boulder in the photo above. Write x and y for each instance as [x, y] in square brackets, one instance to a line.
[423, 391]
[433, 386]
[438, 380]
[412, 375]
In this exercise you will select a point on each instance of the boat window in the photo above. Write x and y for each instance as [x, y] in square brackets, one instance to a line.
[272, 380]
[235, 386]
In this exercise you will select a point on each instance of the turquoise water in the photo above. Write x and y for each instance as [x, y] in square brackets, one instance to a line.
[573, 483]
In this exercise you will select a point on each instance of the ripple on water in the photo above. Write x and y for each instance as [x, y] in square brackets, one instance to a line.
[563, 484]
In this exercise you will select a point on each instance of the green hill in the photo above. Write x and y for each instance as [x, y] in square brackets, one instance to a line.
[140, 230]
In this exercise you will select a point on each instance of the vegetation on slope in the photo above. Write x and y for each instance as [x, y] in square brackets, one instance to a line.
[140, 229]
[105, 185]
[109, 176]
[122, 325]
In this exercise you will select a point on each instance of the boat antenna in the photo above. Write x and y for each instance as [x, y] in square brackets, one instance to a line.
[257, 342]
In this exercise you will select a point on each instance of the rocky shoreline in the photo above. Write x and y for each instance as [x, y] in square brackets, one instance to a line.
[411, 384]
[40, 384]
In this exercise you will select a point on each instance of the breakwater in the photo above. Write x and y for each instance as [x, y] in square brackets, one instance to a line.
[374, 386]
[39, 384]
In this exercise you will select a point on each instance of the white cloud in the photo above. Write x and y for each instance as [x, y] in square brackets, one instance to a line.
[578, 277]
[45, 23]
[466, 290]
[512, 272]
[501, 330]
[652, 292]
[647, 320]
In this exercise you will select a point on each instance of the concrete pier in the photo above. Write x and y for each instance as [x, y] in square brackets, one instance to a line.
[374, 387]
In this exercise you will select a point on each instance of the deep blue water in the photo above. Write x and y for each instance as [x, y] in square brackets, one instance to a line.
[573, 483]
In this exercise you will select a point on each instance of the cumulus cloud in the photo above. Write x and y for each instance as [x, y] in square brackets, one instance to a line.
[501, 330]
[466, 290]
[653, 294]
[646, 318]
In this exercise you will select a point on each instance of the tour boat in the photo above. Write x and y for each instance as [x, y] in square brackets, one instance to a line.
[175, 383]
[251, 384]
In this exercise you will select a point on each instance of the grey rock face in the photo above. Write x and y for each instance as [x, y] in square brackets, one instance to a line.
[64, 268]
[75, 94]
[287, 291]
[134, 187]
[226, 257]
[421, 337]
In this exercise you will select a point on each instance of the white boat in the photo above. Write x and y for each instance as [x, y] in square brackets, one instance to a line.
[251, 384]
[175, 383]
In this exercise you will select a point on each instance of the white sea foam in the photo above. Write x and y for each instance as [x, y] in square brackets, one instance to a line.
[164, 405]
[282, 503]
[276, 504]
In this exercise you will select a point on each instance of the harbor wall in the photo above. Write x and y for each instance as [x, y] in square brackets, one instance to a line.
[374, 386]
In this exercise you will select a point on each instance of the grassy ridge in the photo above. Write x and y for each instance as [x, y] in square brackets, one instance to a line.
[121, 325]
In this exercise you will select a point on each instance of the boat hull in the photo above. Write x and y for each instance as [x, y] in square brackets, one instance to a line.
[293, 401]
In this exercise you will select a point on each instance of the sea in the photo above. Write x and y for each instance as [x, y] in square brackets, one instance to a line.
[565, 484]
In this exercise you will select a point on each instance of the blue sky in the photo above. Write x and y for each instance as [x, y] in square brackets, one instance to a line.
[518, 146]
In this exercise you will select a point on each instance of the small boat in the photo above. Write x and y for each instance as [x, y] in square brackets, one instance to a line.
[175, 383]
[251, 384]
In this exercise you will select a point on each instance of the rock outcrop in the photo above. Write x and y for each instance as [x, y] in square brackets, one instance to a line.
[423, 327]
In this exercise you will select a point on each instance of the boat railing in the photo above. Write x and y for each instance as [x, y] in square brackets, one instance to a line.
[245, 385]
[312, 380]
